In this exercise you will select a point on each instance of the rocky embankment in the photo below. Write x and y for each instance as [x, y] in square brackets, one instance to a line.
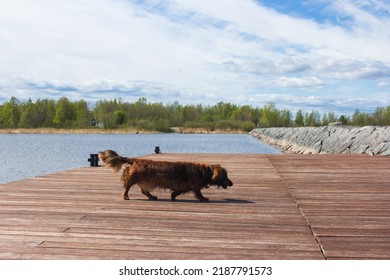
[372, 140]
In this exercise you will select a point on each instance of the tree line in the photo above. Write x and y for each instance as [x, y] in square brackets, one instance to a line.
[143, 115]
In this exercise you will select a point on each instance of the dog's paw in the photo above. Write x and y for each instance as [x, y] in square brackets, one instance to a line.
[204, 199]
[125, 197]
[153, 198]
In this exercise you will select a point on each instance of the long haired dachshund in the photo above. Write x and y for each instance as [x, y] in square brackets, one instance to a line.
[179, 177]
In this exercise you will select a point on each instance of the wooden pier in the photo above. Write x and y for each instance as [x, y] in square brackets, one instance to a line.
[280, 207]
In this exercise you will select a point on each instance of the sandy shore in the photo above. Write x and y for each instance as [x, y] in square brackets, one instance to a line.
[69, 131]
[109, 131]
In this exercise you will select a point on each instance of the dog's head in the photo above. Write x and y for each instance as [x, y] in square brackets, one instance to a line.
[219, 177]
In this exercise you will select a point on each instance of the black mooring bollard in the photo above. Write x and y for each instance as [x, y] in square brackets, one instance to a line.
[93, 160]
[157, 150]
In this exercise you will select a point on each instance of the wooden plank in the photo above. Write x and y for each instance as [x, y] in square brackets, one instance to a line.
[345, 199]
[280, 207]
[78, 214]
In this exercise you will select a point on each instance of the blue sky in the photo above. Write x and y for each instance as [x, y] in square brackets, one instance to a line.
[325, 55]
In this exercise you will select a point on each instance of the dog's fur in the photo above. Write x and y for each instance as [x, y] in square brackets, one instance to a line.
[179, 177]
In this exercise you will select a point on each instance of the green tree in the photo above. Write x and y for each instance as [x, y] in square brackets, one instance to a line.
[360, 119]
[272, 117]
[312, 118]
[381, 116]
[10, 113]
[243, 113]
[157, 116]
[83, 115]
[120, 117]
[386, 116]
[191, 113]
[104, 112]
[175, 114]
[46, 111]
[343, 119]
[299, 118]
[65, 114]
[284, 118]
[328, 118]
[27, 115]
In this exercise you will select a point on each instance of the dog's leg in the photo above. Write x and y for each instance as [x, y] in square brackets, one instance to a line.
[174, 194]
[127, 185]
[149, 195]
[125, 193]
[200, 196]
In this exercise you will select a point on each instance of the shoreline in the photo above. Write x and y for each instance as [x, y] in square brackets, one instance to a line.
[113, 131]
[371, 140]
[68, 131]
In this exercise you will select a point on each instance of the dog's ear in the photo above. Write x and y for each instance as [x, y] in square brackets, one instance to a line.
[220, 177]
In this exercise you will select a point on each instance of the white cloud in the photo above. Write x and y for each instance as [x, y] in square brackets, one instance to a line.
[299, 82]
[348, 69]
[191, 51]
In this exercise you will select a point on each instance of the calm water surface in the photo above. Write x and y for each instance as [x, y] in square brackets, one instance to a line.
[28, 155]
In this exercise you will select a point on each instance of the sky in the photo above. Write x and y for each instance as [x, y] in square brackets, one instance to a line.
[324, 55]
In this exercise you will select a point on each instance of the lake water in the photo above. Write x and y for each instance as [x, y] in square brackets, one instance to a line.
[28, 155]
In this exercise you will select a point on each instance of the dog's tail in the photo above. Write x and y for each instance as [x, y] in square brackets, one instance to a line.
[113, 160]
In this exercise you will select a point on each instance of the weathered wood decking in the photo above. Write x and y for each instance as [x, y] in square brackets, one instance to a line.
[280, 207]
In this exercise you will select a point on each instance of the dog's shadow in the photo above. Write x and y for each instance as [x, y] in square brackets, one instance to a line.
[224, 201]
[236, 201]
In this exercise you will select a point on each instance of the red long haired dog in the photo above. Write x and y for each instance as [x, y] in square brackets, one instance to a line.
[179, 177]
